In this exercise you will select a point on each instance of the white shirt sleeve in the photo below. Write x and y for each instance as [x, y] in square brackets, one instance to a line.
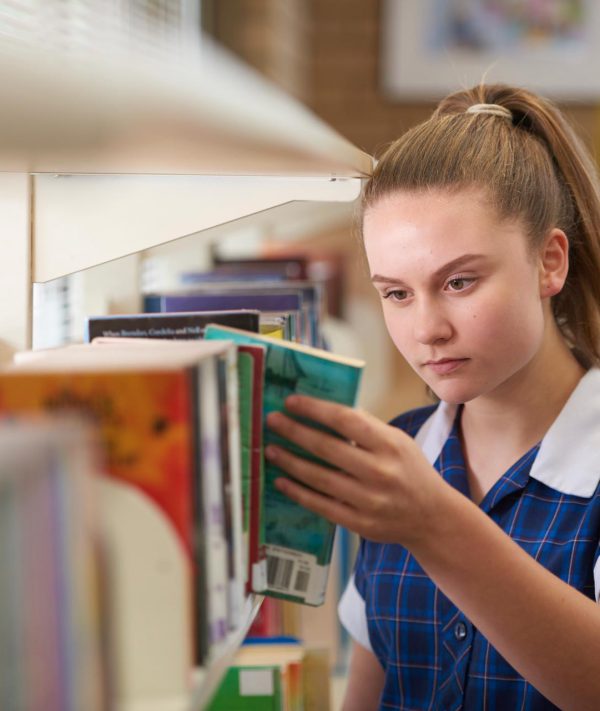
[596, 579]
[353, 615]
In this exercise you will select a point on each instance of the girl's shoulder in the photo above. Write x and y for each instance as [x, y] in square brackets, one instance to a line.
[412, 421]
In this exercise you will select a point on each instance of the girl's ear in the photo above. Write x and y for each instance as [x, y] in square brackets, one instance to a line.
[554, 263]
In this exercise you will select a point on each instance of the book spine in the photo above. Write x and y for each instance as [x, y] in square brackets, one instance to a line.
[210, 470]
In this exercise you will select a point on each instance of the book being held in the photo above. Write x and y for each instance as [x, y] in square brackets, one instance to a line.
[298, 542]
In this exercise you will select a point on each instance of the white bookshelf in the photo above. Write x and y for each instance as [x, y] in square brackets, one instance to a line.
[204, 681]
[106, 156]
[106, 152]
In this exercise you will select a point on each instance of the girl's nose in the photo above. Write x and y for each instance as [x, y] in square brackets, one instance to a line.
[431, 324]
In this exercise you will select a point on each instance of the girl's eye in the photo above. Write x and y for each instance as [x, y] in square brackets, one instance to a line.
[460, 283]
[395, 295]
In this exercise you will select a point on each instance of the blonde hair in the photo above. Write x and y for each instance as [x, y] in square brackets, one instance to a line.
[531, 165]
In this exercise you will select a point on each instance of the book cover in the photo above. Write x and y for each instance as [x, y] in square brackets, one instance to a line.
[217, 488]
[170, 451]
[298, 542]
[273, 326]
[232, 383]
[250, 688]
[177, 326]
[143, 417]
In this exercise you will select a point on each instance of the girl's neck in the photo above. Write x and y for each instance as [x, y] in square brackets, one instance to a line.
[499, 428]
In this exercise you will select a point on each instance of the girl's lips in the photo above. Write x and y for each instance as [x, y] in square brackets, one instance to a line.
[447, 365]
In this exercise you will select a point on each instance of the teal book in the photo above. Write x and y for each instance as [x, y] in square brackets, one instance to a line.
[298, 542]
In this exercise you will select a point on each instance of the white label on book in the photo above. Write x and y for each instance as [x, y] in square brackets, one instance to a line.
[256, 682]
[296, 574]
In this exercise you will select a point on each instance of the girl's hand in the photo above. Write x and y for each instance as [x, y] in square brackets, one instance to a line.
[379, 485]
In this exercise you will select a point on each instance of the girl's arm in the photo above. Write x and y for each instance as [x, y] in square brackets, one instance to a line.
[365, 681]
[547, 630]
[381, 486]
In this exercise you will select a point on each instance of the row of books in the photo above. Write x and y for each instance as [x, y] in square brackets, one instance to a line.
[182, 427]
[295, 307]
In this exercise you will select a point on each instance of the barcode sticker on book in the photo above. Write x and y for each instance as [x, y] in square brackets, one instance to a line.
[296, 574]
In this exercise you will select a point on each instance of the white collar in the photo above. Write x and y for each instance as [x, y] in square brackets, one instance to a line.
[569, 456]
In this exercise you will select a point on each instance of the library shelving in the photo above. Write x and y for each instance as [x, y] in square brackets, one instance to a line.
[109, 151]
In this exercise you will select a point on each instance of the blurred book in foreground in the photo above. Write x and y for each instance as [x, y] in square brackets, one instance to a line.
[52, 640]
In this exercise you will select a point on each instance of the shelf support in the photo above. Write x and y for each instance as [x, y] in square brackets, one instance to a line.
[85, 220]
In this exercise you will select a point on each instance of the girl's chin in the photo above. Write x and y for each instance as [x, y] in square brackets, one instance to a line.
[453, 394]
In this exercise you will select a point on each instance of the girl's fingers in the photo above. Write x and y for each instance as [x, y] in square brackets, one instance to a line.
[338, 452]
[334, 484]
[355, 425]
[335, 511]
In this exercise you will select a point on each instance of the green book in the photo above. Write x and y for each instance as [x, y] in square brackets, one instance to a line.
[252, 688]
[298, 542]
[245, 380]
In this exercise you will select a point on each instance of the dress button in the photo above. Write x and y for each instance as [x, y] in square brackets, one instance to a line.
[460, 631]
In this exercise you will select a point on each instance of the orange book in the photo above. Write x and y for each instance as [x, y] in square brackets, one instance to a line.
[145, 420]
[146, 403]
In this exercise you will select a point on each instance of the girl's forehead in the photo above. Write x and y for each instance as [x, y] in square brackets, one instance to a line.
[452, 213]
[435, 227]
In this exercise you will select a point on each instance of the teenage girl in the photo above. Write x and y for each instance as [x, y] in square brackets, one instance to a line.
[477, 579]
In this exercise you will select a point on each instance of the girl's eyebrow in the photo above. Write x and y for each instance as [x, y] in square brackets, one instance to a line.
[445, 268]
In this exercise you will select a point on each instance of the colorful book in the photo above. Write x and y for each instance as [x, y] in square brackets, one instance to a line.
[250, 688]
[228, 459]
[286, 301]
[219, 494]
[147, 403]
[50, 609]
[274, 326]
[298, 542]
[176, 326]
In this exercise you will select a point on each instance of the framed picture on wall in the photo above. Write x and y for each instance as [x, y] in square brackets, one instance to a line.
[431, 47]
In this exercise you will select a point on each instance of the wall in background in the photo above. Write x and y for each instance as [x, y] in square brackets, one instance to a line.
[326, 52]
[274, 36]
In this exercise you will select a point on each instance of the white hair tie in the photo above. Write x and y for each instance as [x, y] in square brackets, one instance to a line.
[494, 109]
